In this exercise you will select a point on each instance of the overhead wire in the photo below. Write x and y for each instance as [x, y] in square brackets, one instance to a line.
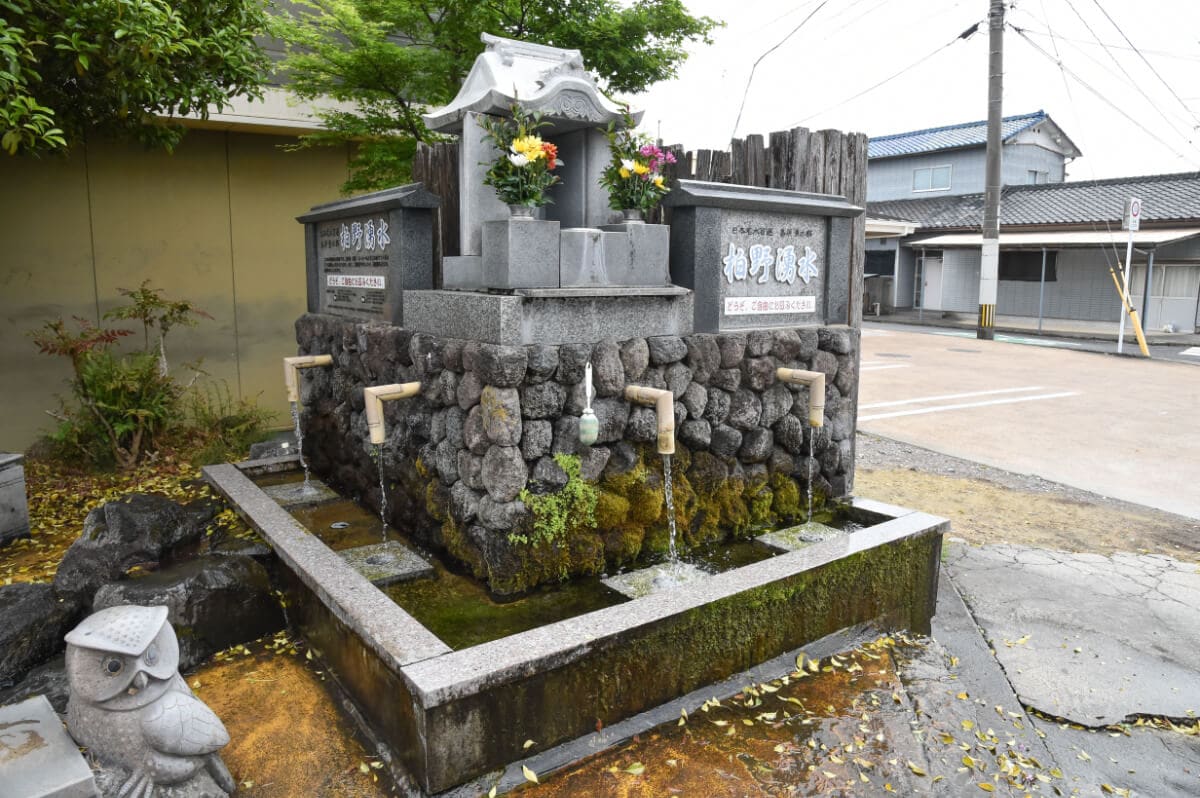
[1058, 61]
[758, 61]
[962, 36]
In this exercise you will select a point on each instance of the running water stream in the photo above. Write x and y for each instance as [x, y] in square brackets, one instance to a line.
[812, 434]
[382, 492]
[669, 494]
[307, 488]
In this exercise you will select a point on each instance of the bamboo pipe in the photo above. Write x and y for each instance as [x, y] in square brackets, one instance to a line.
[815, 380]
[664, 409]
[373, 399]
[291, 371]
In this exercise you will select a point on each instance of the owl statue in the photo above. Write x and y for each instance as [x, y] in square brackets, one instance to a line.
[130, 706]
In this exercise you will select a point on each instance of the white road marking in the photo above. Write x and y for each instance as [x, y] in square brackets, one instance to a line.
[1191, 351]
[875, 333]
[1009, 339]
[882, 367]
[923, 410]
[945, 396]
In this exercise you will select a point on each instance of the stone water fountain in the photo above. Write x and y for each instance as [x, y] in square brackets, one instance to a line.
[733, 311]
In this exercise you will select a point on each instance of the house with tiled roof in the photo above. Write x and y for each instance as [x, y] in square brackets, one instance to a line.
[1057, 239]
[950, 160]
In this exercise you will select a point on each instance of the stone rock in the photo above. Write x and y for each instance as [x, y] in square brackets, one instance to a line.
[808, 343]
[474, 434]
[437, 427]
[787, 345]
[678, 378]
[543, 400]
[758, 373]
[703, 356]
[726, 441]
[536, 439]
[451, 353]
[442, 390]
[33, 621]
[541, 363]
[733, 349]
[789, 433]
[756, 445]
[716, 410]
[756, 472]
[566, 435]
[834, 340]
[654, 377]
[213, 603]
[425, 353]
[847, 375]
[694, 400]
[830, 458]
[502, 515]
[470, 470]
[776, 402]
[592, 460]
[612, 415]
[48, 679]
[726, 379]
[635, 357]
[504, 472]
[666, 349]
[745, 409]
[759, 343]
[501, 366]
[642, 425]
[549, 475]
[571, 360]
[464, 502]
[841, 416]
[470, 387]
[622, 458]
[446, 460]
[707, 472]
[608, 375]
[470, 355]
[417, 419]
[846, 453]
[501, 413]
[455, 418]
[781, 462]
[695, 435]
[278, 446]
[825, 362]
[119, 534]
[244, 547]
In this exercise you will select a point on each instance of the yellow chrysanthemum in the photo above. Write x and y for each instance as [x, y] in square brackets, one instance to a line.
[624, 173]
[658, 182]
[529, 146]
[640, 168]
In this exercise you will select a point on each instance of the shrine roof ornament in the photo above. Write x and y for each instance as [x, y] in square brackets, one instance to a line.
[549, 80]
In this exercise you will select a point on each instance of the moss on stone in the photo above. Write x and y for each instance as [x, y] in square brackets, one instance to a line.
[612, 510]
[785, 497]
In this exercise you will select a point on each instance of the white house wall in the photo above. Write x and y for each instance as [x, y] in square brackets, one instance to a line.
[1020, 158]
[892, 178]
[960, 280]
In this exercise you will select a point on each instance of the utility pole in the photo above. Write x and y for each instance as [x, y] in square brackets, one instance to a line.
[989, 266]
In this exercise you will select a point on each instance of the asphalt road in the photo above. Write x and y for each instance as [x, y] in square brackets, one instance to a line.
[1118, 426]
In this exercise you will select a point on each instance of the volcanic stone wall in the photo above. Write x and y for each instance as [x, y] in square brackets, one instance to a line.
[490, 420]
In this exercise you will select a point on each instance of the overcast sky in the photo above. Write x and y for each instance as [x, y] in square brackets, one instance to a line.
[849, 45]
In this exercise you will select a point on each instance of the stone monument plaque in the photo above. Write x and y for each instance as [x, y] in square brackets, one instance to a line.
[362, 253]
[761, 257]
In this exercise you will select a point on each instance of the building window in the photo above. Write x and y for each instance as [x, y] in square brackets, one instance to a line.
[1033, 177]
[1026, 267]
[931, 178]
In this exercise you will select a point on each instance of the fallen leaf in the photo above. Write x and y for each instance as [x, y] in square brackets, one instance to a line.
[529, 774]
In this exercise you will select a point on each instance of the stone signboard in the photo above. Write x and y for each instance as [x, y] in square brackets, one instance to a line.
[759, 257]
[362, 253]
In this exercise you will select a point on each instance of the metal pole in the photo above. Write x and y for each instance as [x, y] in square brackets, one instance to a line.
[920, 286]
[1042, 291]
[1147, 288]
[990, 260]
[1125, 292]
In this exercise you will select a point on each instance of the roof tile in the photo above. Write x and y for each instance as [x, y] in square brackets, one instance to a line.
[967, 134]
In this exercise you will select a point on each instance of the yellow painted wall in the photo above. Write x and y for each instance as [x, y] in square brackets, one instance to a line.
[213, 222]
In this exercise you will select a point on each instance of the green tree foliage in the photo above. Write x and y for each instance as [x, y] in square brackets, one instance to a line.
[113, 66]
[392, 59]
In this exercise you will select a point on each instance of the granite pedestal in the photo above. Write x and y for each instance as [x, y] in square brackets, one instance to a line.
[14, 511]
[38, 759]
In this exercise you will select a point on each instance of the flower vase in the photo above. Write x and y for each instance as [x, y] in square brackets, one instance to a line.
[520, 211]
[633, 216]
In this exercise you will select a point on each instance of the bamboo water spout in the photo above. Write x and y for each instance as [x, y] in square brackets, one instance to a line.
[373, 399]
[664, 409]
[291, 371]
[815, 380]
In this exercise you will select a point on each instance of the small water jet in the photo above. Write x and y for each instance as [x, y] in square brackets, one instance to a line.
[291, 378]
[815, 382]
[373, 399]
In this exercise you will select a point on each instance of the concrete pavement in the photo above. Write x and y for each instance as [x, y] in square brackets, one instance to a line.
[1120, 427]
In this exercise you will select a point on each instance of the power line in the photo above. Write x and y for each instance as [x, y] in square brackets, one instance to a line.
[1100, 95]
[1146, 61]
[779, 44]
[1110, 45]
[964, 35]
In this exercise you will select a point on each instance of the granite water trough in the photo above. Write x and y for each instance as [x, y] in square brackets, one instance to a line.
[450, 716]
